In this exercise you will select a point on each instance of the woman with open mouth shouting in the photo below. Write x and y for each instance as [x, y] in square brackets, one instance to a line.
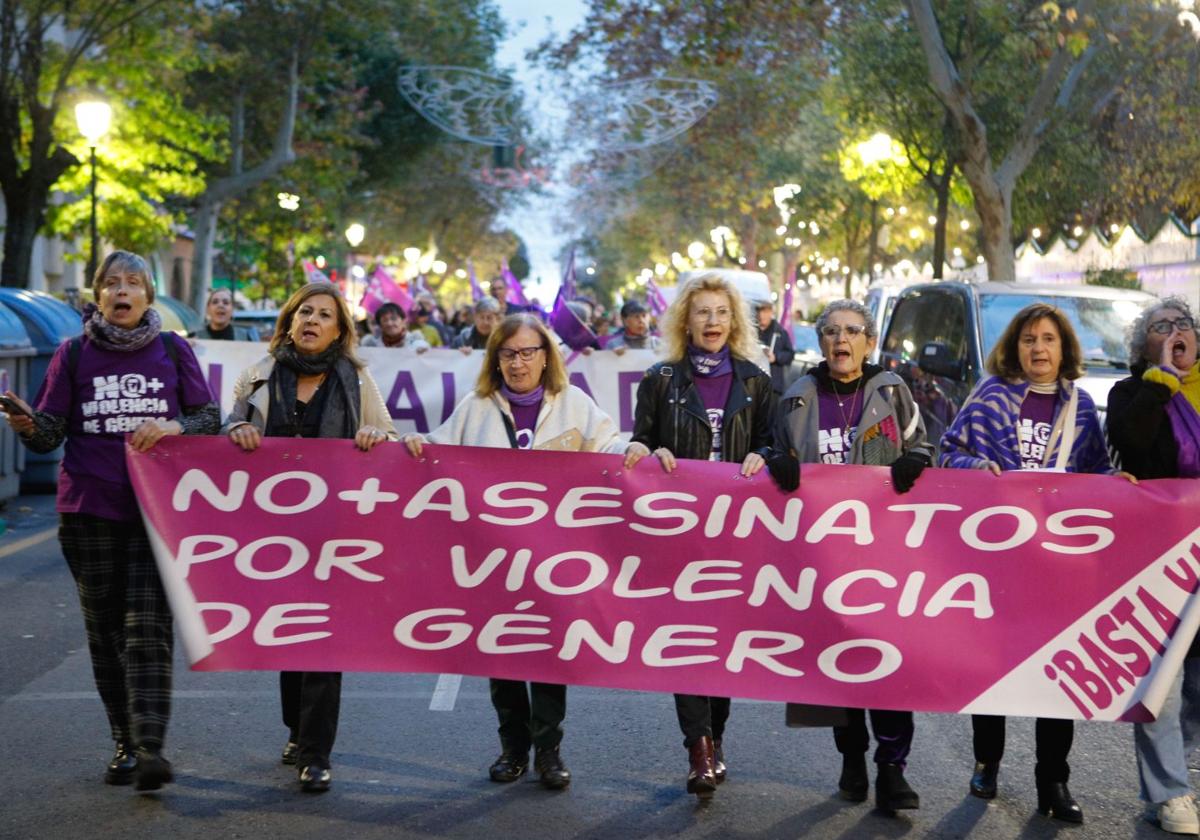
[124, 377]
[709, 401]
[1154, 425]
[846, 411]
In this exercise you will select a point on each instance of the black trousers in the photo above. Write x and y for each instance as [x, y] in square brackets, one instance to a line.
[127, 620]
[1053, 745]
[701, 716]
[311, 701]
[893, 732]
[529, 714]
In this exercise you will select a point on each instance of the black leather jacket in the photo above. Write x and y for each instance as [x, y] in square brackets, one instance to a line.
[670, 413]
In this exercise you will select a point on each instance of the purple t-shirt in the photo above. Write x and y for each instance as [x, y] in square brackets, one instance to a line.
[112, 394]
[525, 419]
[714, 393]
[1037, 421]
[837, 425]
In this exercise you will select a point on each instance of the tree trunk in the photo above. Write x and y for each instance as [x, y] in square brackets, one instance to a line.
[995, 236]
[204, 224]
[20, 231]
[941, 190]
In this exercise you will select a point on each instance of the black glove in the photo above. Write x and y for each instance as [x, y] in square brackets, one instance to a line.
[906, 470]
[785, 470]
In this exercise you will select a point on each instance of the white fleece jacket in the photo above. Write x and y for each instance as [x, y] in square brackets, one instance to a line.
[569, 421]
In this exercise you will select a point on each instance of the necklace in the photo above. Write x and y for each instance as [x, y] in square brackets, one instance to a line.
[853, 404]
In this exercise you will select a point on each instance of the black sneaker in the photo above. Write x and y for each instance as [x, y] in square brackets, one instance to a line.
[552, 773]
[509, 767]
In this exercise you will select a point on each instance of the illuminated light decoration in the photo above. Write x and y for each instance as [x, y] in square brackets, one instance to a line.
[762, 263]
[781, 230]
[590, 270]
[439, 267]
[1077, 231]
[695, 250]
[1036, 232]
[891, 211]
[660, 269]
[320, 261]
[355, 234]
[412, 254]
[814, 228]
[903, 211]
[741, 260]
[460, 274]
[783, 194]
[979, 260]
[958, 252]
[933, 220]
[964, 224]
[358, 272]
[914, 233]
[288, 201]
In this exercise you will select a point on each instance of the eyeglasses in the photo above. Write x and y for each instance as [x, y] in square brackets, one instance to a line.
[1164, 327]
[834, 331]
[526, 353]
[722, 315]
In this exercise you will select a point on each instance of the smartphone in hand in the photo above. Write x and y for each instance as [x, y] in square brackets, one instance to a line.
[11, 406]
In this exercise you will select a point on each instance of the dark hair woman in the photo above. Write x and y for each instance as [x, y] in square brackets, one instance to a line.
[846, 411]
[708, 402]
[124, 375]
[218, 319]
[522, 400]
[1029, 414]
[310, 385]
[1154, 425]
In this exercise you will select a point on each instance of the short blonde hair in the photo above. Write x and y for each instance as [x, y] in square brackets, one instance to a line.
[347, 339]
[554, 377]
[743, 340]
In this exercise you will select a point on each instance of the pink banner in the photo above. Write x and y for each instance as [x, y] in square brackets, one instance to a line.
[1031, 593]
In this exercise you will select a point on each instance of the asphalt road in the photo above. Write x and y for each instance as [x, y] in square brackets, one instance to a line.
[402, 769]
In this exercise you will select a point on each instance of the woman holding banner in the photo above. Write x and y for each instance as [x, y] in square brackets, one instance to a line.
[123, 353]
[708, 402]
[846, 411]
[1154, 425]
[311, 384]
[522, 400]
[1028, 415]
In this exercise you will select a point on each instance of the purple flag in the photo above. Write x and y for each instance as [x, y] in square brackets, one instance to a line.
[516, 295]
[655, 299]
[569, 290]
[420, 287]
[573, 332]
[383, 289]
[313, 274]
[476, 291]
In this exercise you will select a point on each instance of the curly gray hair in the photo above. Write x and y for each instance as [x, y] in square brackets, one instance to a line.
[1139, 330]
[846, 305]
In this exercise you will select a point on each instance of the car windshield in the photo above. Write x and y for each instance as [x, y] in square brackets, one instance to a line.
[1099, 323]
[804, 339]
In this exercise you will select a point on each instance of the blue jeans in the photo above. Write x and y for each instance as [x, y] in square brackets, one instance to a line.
[1163, 747]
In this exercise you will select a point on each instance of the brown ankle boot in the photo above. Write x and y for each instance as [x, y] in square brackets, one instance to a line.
[702, 777]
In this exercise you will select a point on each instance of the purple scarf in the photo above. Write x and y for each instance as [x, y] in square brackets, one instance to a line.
[527, 399]
[111, 337]
[707, 364]
[1185, 425]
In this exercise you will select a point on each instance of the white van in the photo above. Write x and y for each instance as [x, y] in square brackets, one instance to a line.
[754, 285]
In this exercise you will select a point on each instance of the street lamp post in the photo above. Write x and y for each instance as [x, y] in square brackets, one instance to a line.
[93, 119]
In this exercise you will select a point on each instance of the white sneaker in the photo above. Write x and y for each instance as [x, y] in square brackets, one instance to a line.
[1178, 816]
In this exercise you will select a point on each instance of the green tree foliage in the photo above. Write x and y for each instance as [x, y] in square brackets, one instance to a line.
[45, 50]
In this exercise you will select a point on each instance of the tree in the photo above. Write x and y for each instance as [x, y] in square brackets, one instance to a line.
[1050, 55]
[43, 47]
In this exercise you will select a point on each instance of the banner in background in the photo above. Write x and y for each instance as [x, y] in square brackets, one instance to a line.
[1029, 593]
[421, 389]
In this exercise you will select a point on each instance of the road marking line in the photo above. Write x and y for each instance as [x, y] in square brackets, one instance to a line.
[31, 540]
[445, 693]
